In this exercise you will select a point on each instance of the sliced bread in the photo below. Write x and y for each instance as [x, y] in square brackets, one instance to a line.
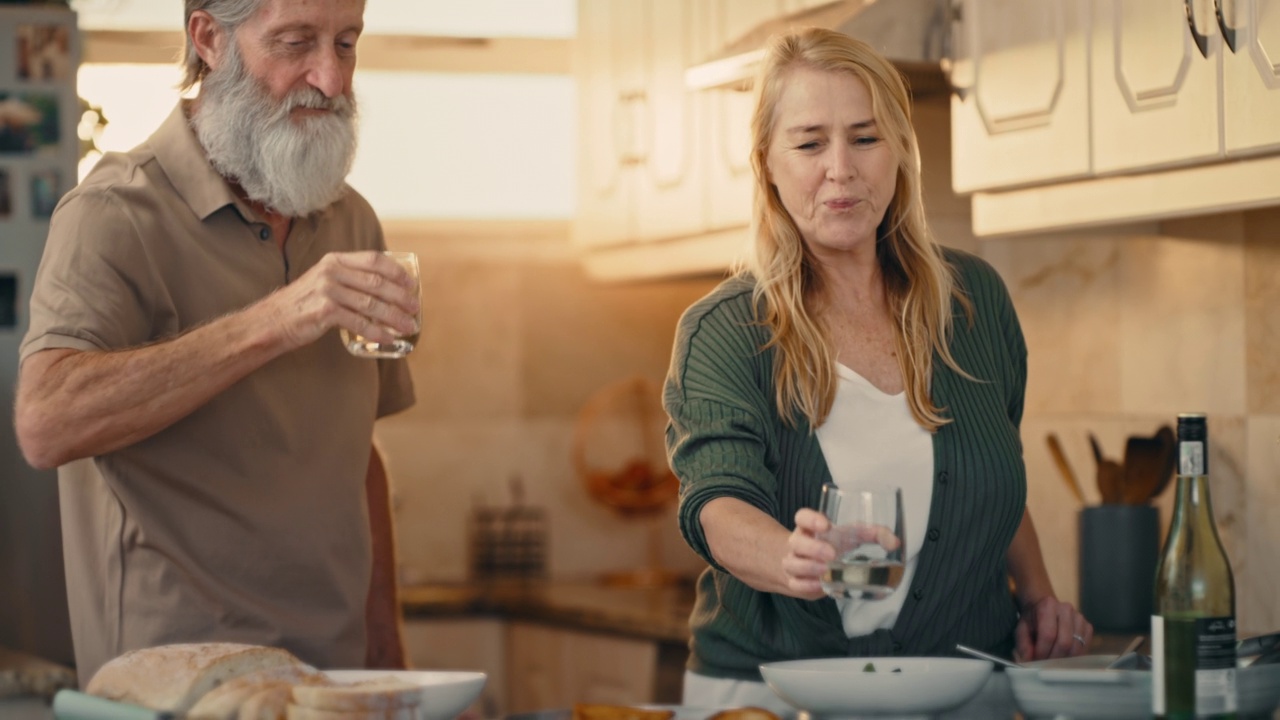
[386, 693]
[224, 701]
[172, 678]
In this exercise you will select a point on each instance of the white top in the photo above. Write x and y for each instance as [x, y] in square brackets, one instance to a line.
[870, 439]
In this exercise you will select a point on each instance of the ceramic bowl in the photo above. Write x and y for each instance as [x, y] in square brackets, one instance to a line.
[444, 693]
[1080, 688]
[876, 687]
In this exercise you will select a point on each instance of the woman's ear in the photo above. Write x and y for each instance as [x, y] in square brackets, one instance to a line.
[208, 37]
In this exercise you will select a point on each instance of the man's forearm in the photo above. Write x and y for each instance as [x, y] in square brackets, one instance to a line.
[74, 404]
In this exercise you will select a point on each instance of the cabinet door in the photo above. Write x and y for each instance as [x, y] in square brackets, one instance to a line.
[728, 146]
[1021, 114]
[671, 184]
[607, 61]
[1155, 84]
[1251, 76]
[554, 668]
[463, 644]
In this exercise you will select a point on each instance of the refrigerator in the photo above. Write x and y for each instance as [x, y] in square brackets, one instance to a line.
[39, 154]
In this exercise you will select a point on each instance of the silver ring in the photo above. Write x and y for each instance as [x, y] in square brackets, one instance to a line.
[1079, 639]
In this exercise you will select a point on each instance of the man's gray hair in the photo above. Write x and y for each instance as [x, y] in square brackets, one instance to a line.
[230, 14]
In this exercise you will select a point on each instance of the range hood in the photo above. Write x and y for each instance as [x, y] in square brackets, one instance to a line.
[914, 34]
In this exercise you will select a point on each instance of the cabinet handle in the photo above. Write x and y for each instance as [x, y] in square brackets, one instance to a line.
[1228, 32]
[1202, 41]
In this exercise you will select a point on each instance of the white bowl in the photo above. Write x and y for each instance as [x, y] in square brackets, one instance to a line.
[444, 693]
[1081, 689]
[843, 687]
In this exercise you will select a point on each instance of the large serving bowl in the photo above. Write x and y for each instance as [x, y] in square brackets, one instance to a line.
[1081, 688]
[876, 687]
[444, 693]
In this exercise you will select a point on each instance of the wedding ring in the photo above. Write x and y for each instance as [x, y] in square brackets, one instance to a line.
[1078, 639]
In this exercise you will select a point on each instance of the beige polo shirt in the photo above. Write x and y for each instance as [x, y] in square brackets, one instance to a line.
[246, 520]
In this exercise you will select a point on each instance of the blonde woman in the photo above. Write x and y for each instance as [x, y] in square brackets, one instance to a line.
[852, 346]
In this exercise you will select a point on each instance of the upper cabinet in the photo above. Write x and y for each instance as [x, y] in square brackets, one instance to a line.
[643, 169]
[664, 173]
[1156, 70]
[1020, 110]
[1174, 89]
[1251, 76]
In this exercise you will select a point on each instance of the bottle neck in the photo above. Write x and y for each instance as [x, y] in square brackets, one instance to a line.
[1192, 502]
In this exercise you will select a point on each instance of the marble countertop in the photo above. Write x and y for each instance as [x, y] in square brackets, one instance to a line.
[649, 613]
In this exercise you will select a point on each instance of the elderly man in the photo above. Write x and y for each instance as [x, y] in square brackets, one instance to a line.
[183, 370]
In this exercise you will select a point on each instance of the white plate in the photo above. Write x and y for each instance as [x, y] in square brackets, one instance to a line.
[1078, 688]
[444, 693]
[899, 687]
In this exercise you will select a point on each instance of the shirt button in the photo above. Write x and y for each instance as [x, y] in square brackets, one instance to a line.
[934, 534]
[264, 233]
[917, 594]
[942, 477]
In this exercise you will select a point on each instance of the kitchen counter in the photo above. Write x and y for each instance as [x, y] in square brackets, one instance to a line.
[658, 613]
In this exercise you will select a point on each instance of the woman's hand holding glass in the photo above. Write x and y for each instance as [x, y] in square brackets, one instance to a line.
[868, 536]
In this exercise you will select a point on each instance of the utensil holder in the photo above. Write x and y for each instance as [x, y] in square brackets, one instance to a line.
[1119, 549]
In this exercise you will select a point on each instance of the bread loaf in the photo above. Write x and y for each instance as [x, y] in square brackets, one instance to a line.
[172, 678]
[224, 701]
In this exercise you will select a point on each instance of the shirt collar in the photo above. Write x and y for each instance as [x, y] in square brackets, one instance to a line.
[184, 161]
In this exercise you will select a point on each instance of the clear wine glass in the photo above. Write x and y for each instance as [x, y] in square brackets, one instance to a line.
[869, 536]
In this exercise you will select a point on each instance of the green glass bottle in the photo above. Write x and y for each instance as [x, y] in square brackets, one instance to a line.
[1193, 629]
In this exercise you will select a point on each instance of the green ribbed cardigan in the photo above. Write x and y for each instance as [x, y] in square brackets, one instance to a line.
[725, 438]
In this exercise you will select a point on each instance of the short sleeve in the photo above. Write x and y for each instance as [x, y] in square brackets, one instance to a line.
[95, 288]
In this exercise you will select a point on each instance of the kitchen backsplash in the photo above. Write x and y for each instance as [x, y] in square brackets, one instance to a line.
[1125, 329]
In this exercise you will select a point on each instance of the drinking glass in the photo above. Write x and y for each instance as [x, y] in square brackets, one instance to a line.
[868, 534]
[402, 345]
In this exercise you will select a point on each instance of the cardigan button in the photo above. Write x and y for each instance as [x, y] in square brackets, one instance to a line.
[934, 534]
[942, 477]
[897, 647]
[917, 594]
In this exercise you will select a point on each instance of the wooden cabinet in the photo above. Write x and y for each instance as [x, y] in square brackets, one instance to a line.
[728, 145]
[1020, 114]
[1156, 69]
[463, 644]
[610, 93]
[641, 172]
[1251, 76]
[551, 667]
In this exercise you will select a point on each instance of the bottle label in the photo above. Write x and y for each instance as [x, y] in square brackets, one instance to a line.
[1190, 457]
[1193, 666]
[1215, 665]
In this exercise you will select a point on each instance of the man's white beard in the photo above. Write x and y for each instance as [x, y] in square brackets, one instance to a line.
[293, 168]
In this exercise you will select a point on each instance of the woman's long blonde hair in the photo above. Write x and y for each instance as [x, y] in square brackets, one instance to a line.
[919, 283]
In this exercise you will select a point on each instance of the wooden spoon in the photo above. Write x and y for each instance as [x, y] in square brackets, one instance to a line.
[1060, 459]
[1110, 475]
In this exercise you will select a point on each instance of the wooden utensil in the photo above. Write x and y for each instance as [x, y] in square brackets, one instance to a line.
[1168, 460]
[1143, 464]
[1110, 475]
[1060, 459]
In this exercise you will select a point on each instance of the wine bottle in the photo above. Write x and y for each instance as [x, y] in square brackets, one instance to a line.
[1193, 628]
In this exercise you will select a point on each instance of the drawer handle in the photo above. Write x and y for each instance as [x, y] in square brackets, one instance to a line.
[1228, 32]
[1202, 41]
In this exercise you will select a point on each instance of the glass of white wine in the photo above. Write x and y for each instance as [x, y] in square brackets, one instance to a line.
[402, 345]
[870, 539]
